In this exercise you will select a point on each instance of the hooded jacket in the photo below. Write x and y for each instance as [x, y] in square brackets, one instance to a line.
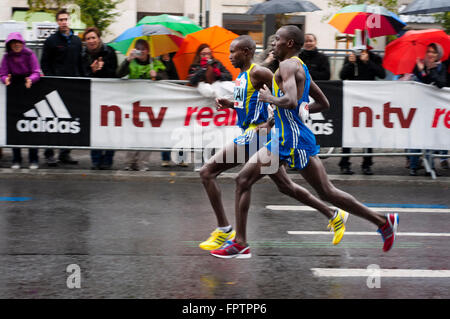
[23, 63]
[436, 75]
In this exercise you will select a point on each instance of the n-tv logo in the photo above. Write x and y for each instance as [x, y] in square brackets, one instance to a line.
[49, 116]
[55, 111]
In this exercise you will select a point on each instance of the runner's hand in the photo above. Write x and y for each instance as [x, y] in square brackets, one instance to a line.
[222, 103]
[265, 94]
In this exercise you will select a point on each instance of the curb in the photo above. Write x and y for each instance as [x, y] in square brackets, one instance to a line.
[172, 176]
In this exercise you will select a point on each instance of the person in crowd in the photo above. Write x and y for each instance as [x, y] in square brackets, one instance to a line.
[317, 62]
[20, 66]
[205, 70]
[61, 56]
[98, 60]
[360, 65]
[209, 75]
[139, 65]
[266, 57]
[172, 74]
[429, 70]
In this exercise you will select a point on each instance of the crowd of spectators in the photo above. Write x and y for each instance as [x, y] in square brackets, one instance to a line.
[66, 54]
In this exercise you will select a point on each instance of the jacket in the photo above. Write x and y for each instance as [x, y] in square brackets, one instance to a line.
[108, 56]
[23, 64]
[62, 55]
[197, 73]
[436, 76]
[137, 69]
[317, 63]
[363, 71]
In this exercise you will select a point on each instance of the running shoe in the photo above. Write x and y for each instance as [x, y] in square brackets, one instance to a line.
[217, 239]
[231, 249]
[337, 225]
[389, 231]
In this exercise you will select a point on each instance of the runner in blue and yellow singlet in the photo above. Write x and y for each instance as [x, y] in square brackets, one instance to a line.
[294, 144]
[295, 141]
[251, 118]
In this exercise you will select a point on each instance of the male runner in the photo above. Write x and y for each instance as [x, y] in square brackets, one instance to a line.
[296, 146]
[251, 112]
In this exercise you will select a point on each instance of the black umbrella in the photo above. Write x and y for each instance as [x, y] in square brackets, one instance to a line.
[282, 6]
[427, 6]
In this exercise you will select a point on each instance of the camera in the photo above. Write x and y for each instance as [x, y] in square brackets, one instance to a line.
[137, 52]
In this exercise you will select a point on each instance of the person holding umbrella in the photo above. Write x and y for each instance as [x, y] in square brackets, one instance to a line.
[429, 70]
[140, 65]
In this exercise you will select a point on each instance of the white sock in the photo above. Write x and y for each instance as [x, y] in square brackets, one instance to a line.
[225, 229]
[335, 214]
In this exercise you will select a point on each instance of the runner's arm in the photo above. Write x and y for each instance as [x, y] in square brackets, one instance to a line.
[289, 100]
[320, 100]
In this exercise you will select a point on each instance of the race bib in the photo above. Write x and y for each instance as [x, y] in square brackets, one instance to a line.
[239, 92]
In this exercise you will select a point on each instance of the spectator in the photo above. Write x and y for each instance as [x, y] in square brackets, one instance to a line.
[206, 72]
[98, 61]
[429, 71]
[266, 58]
[317, 62]
[20, 67]
[360, 65]
[139, 65]
[61, 56]
[172, 74]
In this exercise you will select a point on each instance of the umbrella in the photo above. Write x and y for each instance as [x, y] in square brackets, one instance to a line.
[378, 21]
[218, 39]
[282, 6]
[401, 54]
[161, 40]
[427, 6]
[183, 25]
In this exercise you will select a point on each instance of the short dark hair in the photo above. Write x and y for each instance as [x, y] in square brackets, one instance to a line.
[311, 34]
[246, 41]
[296, 34]
[62, 11]
[92, 29]
[140, 42]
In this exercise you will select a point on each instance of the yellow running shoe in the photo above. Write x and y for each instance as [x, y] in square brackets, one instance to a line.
[338, 225]
[217, 239]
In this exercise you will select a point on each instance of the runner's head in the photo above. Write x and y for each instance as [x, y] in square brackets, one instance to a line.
[242, 50]
[289, 39]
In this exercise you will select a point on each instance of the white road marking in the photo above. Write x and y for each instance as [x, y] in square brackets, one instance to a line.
[377, 209]
[366, 233]
[361, 272]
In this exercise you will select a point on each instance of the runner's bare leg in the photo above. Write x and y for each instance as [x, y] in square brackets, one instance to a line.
[213, 168]
[251, 173]
[317, 177]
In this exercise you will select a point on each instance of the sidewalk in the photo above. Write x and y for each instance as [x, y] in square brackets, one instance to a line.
[384, 168]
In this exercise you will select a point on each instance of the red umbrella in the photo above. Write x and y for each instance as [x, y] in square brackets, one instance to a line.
[400, 55]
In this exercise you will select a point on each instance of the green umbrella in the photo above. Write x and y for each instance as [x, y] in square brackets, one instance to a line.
[181, 24]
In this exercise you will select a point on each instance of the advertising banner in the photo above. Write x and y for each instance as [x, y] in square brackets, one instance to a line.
[383, 114]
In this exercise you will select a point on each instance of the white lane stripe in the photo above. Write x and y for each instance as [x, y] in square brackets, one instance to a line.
[377, 209]
[358, 272]
[364, 233]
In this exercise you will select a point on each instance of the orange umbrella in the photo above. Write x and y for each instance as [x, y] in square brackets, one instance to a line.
[217, 38]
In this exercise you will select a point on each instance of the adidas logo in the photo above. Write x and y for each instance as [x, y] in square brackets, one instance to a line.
[48, 114]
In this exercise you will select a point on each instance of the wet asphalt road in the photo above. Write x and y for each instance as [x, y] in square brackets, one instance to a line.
[138, 239]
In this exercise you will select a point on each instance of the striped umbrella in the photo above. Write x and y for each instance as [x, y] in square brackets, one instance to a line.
[377, 20]
[161, 40]
[181, 24]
